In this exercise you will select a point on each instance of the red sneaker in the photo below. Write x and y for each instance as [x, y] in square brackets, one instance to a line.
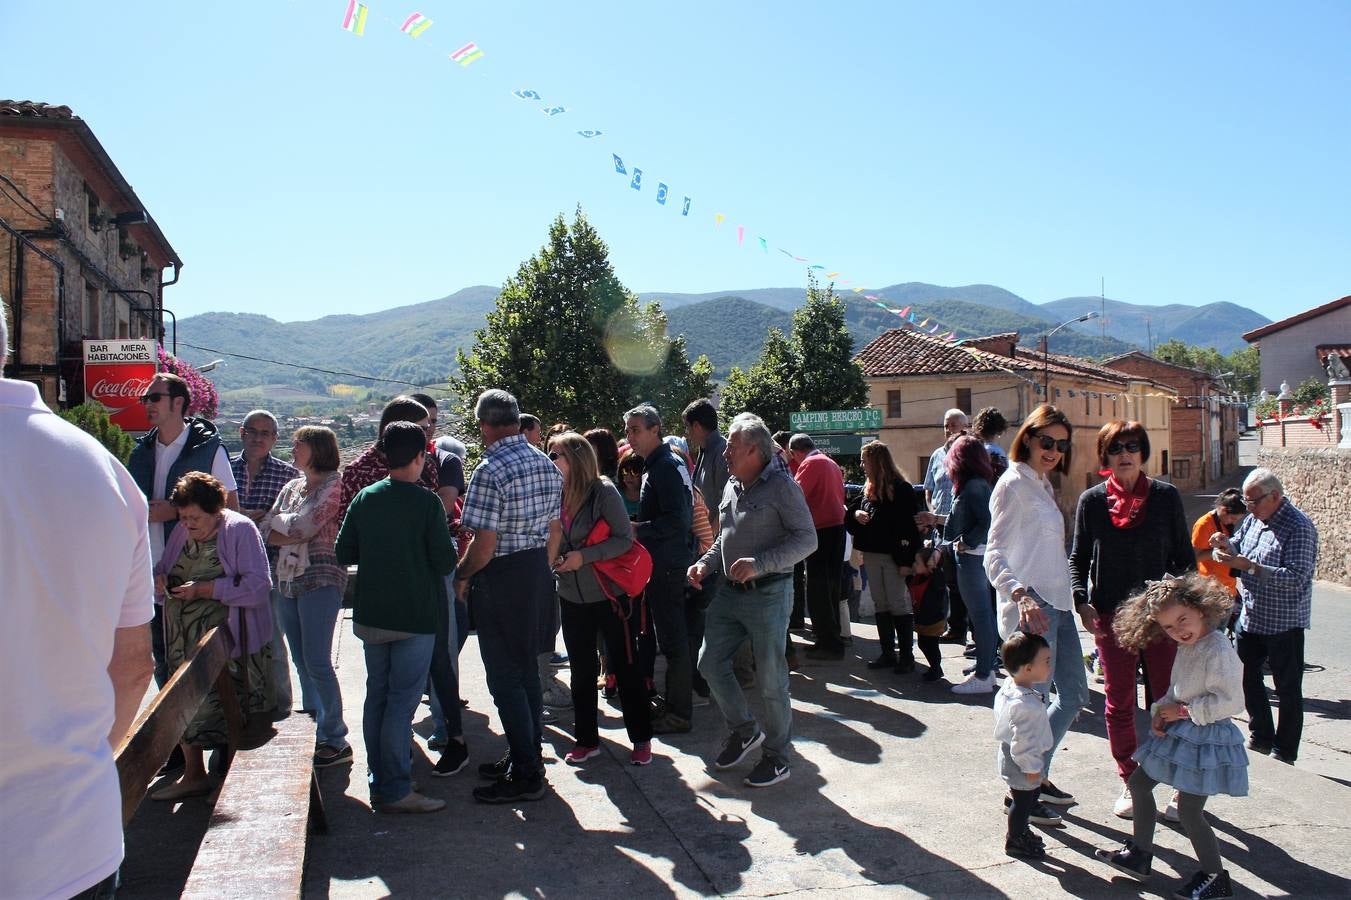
[642, 754]
[580, 754]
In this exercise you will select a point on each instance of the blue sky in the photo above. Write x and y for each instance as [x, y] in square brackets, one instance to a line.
[1187, 152]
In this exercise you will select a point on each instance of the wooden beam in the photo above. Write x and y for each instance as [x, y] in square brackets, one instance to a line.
[161, 725]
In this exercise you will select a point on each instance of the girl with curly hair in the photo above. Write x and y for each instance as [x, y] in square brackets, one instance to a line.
[1193, 744]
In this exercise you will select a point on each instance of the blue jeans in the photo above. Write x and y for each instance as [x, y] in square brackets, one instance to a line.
[1067, 673]
[975, 588]
[308, 621]
[510, 598]
[281, 666]
[761, 615]
[395, 674]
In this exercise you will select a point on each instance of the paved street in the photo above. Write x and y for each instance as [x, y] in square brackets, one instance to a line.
[893, 793]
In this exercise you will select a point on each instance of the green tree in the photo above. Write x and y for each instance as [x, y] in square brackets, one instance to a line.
[573, 345]
[814, 369]
[1246, 364]
[93, 418]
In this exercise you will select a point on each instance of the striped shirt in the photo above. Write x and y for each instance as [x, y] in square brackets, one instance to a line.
[515, 492]
[1285, 547]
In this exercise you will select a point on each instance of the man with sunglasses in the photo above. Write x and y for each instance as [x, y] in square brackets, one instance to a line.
[259, 477]
[1273, 552]
[175, 445]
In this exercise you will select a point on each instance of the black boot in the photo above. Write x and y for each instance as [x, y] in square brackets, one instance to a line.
[933, 655]
[905, 650]
[886, 637]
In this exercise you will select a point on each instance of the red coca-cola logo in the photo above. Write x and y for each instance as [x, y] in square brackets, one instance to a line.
[130, 389]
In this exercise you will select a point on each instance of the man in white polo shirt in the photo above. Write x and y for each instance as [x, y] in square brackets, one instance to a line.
[75, 651]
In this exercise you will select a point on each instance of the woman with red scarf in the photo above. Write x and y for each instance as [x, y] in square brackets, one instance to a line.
[1128, 530]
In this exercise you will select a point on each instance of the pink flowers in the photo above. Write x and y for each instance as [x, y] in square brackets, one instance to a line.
[204, 398]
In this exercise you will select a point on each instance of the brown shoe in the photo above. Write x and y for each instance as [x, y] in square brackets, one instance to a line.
[413, 802]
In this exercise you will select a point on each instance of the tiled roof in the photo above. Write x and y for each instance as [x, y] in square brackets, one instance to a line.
[31, 110]
[1140, 354]
[1265, 330]
[1326, 350]
[905, 352]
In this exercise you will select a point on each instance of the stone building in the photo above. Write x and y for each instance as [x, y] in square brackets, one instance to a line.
[86, 258]
[914, 378]
[1205, 420]
[1294, 349]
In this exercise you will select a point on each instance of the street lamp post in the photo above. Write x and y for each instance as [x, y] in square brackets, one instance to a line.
[1046, 352]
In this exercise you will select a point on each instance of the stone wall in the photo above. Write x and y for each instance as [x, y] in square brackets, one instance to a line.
[1319, 483]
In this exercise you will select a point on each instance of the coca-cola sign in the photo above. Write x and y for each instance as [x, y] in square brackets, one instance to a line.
[116, 375]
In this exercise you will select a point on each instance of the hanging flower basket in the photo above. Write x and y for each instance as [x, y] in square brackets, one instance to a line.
[204, 398]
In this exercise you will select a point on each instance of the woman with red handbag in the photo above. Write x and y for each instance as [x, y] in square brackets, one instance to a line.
[601, 570]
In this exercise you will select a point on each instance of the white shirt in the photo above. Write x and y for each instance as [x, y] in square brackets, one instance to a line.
[75, 559]
[165, 456]
[1208, 678]
[1026, 544]
[1021, 721]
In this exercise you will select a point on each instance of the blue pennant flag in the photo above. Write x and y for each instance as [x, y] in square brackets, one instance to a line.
[552, 111]
[619, 165]
[661, 192]
[685, 210]
[526, 95]
[589, 133]
[637, 182]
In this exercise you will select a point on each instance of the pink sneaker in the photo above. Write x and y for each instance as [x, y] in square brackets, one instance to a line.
[580, 754]
[642, 754]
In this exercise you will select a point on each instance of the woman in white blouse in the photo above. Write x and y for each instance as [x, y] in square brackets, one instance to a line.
[1026, 562]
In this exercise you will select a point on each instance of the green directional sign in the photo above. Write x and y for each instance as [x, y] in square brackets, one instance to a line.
[867, 419]
[842, 444]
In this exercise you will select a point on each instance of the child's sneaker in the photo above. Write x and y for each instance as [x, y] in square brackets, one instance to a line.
[1130, 860]
[1206, 887]
[580, 754]
[1024, 846]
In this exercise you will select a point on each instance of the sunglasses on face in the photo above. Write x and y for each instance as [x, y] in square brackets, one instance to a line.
[1047, 443]
[1117, 447]
[154, 396]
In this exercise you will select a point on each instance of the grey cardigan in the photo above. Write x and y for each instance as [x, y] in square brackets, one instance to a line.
[604, 502]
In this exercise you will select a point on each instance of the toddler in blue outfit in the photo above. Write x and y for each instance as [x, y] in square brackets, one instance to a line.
[1023, 729]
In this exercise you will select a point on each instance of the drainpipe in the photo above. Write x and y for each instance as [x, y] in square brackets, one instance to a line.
[178, 267]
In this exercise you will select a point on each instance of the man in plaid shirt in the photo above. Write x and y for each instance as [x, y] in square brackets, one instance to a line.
[1273, 552]
[513, 505]
[260, 476]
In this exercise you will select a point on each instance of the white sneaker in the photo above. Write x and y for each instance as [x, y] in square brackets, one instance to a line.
[975, 685]
[1124, 808]
[1170, 813]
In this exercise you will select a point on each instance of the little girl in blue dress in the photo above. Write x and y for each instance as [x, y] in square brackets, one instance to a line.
[1193, 744]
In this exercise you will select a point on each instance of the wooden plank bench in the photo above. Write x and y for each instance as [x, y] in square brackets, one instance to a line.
[255, 841]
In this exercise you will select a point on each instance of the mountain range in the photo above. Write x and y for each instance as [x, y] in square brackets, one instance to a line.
[417, 343]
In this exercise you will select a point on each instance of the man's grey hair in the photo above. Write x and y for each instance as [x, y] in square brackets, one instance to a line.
[955, 413]
[4, 335]
[755, 430]
[497, 408]
[259, 414]
[647, 412]
[1265, 479]
[802, 443]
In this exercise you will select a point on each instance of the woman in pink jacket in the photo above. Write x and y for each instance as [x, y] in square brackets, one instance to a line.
[214, 572]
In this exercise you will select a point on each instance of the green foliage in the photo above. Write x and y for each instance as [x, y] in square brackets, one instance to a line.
[573, 345]
[1310, 392]
[814, 369]
[92, 418]
[728, 329]
[1245, 364]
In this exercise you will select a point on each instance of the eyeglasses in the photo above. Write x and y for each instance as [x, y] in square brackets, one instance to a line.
[1047, 443]
[554, 454]
[258, 432]
[1250, 503]
[1117, 447]
[154, 396]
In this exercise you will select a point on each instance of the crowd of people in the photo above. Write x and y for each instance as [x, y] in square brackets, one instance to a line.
[708, 551]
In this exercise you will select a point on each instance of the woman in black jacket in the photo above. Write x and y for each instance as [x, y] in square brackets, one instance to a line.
[1128, 530]
[882, 521]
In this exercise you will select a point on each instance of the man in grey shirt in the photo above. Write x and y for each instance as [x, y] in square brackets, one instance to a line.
[766, 529]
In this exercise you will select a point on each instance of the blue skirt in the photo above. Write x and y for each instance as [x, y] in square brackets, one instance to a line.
[1197, 759]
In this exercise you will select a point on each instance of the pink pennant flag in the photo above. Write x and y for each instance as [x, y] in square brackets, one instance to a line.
[740, 235]
[903, 313]
[872, 297]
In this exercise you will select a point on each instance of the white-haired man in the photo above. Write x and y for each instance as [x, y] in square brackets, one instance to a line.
[1273, 551]
[765, 529]
[939, 494]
